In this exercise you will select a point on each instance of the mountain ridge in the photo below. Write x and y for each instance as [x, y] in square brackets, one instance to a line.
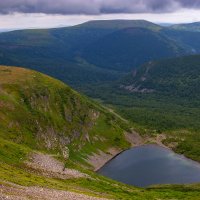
[72, 49]
[195, 26]
[120, 24]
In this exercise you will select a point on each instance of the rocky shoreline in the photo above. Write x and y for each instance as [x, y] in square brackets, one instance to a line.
[99, 159]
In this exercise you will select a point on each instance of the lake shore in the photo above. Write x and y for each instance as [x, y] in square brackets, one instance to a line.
[101, 158]
[150, 164]
[136, 140]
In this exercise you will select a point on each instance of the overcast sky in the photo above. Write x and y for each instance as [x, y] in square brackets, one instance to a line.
[15, 14]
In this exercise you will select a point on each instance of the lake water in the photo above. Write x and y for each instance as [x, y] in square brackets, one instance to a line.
[150, 164]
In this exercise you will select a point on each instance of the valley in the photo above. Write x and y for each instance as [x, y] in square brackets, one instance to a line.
[32, 132]
[84, 54]
[135, 84]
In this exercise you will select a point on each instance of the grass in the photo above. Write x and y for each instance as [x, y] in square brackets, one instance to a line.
[98, 186]
[38, 110]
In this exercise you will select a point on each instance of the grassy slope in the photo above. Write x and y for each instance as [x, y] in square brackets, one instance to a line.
[36, 106]
[30, 104]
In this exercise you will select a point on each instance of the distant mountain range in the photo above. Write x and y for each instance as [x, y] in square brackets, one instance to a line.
[96, 51]
[187, 27]
[6, 30]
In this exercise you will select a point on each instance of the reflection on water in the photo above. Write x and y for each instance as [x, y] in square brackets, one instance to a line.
[150, 164]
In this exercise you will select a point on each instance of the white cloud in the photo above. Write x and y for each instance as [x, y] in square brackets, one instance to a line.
[20, 21]
[92, 7]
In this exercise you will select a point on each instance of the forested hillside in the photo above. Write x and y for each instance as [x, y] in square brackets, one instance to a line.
[160, 97]
[93, 52]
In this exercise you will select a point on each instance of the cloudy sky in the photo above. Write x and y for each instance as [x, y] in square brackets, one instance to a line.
[15, 14]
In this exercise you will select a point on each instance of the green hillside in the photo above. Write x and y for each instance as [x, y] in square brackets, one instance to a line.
[45, 114]
[41, 116]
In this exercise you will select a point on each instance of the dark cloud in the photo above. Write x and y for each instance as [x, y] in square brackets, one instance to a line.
[94, 6]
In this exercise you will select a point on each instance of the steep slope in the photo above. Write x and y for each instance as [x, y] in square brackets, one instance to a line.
[40, 116]
[45, 114]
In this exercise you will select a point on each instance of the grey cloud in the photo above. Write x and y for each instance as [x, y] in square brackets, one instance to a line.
[94, 7]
